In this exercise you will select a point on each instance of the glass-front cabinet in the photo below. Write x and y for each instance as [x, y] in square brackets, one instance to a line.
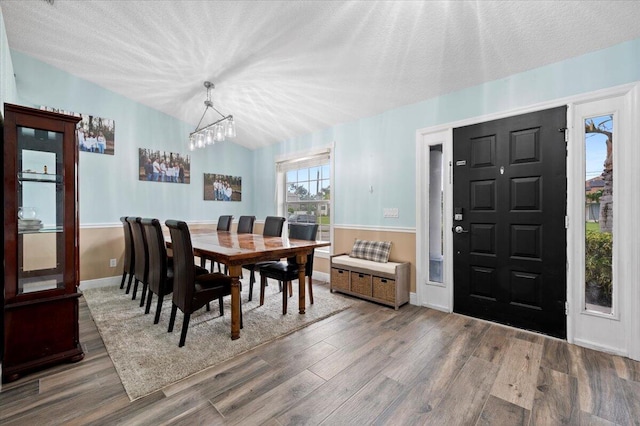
[40, 240]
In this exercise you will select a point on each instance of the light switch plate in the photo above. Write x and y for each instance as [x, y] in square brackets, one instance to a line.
[390, 212]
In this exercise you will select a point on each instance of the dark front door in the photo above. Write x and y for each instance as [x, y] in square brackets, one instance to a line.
[509, 192]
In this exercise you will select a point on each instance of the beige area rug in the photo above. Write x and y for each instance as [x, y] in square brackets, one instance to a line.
[147, 358]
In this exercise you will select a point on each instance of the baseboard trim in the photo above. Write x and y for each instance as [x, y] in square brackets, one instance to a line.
[441, 308]
[321, 276]
[598, 347]
[100, 282]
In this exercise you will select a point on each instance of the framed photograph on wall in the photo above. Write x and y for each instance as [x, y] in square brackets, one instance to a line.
[219, 187]
[95, 134]
[163, 166]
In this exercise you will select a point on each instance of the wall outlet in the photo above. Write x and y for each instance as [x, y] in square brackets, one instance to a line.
[113, 263]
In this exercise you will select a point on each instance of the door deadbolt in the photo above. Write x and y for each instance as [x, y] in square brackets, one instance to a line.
[460, 230]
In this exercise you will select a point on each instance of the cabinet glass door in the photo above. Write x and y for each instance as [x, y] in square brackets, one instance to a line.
[40, 210]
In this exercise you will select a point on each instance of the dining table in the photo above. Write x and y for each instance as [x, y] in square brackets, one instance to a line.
[234, 250]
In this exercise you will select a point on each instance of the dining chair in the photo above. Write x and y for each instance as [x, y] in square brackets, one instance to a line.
[160, 275]
[224, 224]
[287, 271]
[141, 267]
[245, 224]
[272, 228]
[192, 290]
[129, 254]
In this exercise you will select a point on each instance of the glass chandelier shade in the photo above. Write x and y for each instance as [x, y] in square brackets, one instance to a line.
[217, 131]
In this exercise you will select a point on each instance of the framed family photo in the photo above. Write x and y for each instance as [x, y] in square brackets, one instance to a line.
[218, 187]
[163, 166]
[95, 134]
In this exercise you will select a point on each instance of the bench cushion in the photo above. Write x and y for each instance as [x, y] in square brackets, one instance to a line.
[377, 251]
[347, 261]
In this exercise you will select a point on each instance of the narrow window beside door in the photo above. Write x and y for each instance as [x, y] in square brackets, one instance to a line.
[599, 212]
[435, 214]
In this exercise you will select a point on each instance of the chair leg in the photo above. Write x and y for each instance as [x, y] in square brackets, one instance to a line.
[124, 277]
[310, 290]
[221, 306]
[144, 294]
[172, 320]
[135, 289]
[219, 268]
[148, 307]
[185, 327]
[158, 308]
[203, 261]
[208, 306]
[252, 279]
[240, 306]
[290, 286]
[129, 284]
[263, 284]
[284, 300]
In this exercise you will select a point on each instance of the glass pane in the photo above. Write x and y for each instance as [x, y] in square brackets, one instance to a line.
[40, 210]
[315, 174]
[435, 214]
[599, 213]
[324, 220]
[325, 191]
[303, 174]
[303, 190]
[292, 176]
[325, 172]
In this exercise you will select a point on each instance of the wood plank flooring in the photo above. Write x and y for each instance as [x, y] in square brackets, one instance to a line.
[366, 365]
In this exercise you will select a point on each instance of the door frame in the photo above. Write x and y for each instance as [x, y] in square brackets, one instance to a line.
[440, 297]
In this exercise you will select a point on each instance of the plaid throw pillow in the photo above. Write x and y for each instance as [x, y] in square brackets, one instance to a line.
[377, 251]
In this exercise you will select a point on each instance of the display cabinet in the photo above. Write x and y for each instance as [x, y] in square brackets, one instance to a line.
[41, 275]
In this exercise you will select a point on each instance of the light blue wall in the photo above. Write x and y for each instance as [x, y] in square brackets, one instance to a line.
[379, 151]
[376, 151]
[109, 185]
[8, 92]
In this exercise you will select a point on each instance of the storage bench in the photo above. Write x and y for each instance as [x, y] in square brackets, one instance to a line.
[386, 283]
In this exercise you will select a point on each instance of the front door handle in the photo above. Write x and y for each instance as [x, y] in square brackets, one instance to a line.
[460, 230]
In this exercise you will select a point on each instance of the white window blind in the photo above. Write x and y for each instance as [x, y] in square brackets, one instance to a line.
[317, 159]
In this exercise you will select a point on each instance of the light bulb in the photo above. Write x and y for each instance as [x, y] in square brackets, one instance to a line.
[192, 143]
[219, 132]
[209, 138]
[231, 128]
[200, 139]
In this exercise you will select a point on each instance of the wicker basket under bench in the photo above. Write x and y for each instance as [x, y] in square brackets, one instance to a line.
[386, 283]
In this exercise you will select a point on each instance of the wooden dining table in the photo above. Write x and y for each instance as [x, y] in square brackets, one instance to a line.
[235, 250]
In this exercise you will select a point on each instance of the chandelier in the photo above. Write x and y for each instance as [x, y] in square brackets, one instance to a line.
[217, 131]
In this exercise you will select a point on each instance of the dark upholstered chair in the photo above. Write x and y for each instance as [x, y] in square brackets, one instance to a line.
[287, 271]
[272, 228]
[129, 254]
[224, 224]
[141, 267]
[191, 291]
[245, 224]
[160, 276]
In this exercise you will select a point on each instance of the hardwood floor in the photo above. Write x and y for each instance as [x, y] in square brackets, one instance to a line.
[366, 365]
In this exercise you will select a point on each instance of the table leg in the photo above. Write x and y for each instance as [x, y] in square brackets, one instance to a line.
[234, 272]
[302, 260]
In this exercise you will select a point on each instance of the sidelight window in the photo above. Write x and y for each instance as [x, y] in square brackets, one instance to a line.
[599, 213]
[435, 214]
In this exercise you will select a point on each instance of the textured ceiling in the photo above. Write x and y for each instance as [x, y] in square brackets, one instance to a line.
[289, 68]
